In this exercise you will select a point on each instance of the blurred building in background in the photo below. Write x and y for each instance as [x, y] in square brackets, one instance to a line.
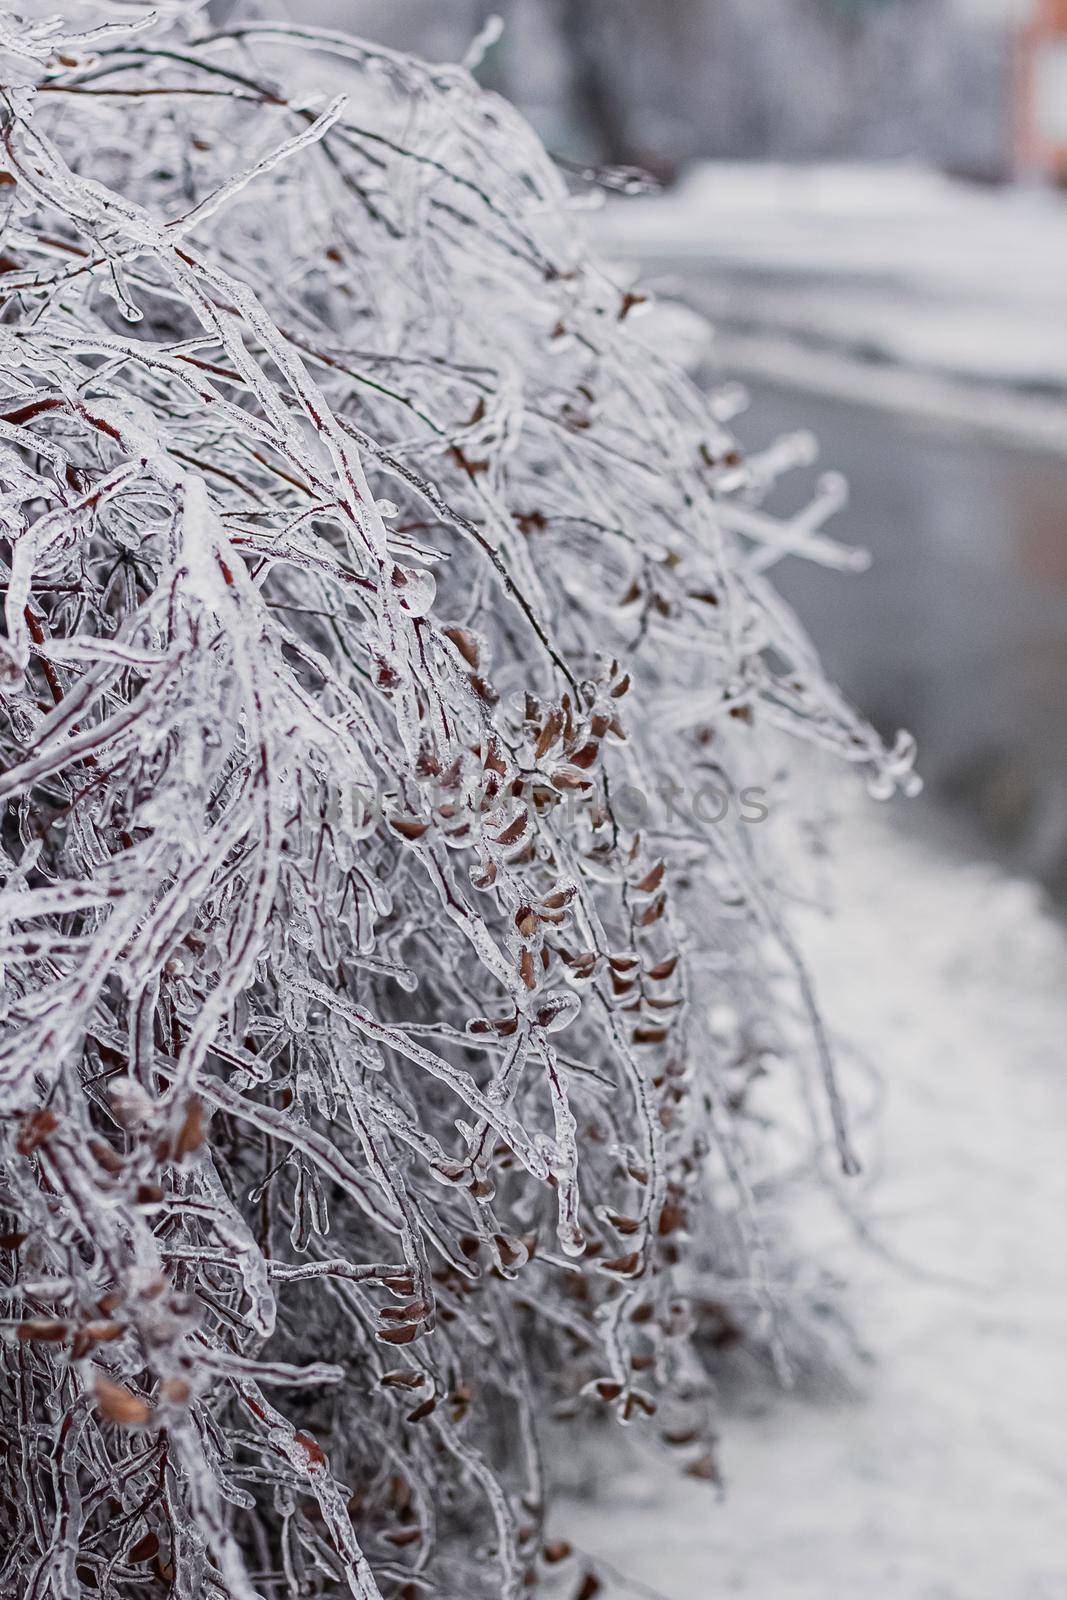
[660, 82]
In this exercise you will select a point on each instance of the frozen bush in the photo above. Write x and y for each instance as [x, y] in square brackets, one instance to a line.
[367, 1083]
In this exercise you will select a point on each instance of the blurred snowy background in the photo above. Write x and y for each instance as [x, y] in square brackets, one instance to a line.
[866, 198]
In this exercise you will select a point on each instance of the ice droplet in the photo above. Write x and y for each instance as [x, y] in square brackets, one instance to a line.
[558, 1010]
[417, 589]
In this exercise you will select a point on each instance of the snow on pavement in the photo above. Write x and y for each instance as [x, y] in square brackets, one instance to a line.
[944, 1478]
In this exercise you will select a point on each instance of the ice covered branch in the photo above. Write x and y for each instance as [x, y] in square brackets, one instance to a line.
[356, 558]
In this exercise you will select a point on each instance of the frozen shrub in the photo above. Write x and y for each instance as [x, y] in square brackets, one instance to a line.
[360, 1091]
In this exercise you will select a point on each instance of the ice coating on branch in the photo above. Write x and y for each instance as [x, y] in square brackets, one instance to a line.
[371, 597]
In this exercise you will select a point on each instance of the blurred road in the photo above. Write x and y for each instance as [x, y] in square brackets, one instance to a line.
[919, 327]
[893, 284]
[959, 629]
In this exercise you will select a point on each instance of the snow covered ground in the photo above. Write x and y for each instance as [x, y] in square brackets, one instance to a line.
[944, 1477]
[862, 279]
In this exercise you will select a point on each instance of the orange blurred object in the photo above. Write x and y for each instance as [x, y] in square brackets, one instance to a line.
[1041, 94]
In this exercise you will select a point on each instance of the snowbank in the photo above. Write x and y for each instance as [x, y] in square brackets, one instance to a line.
[944, 1480]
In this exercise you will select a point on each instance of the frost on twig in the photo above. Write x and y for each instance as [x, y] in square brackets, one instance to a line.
[357, 1090]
